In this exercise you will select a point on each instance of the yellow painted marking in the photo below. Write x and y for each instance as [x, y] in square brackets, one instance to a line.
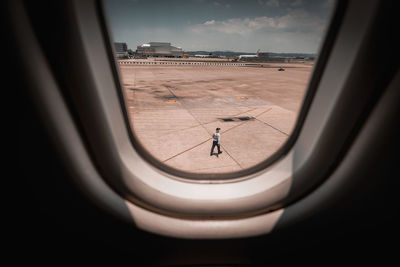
[171, 102]
[242, 97]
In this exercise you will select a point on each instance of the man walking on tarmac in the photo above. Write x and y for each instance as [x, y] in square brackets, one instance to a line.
[216, 142]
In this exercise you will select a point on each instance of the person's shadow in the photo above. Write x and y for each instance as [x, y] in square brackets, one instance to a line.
[216, 154]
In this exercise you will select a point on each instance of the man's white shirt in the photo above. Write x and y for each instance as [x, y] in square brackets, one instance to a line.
[217, 137]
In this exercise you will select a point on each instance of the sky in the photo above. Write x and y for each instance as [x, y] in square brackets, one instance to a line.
[281, 26]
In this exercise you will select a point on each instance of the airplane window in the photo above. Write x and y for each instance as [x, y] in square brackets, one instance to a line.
[215, 86]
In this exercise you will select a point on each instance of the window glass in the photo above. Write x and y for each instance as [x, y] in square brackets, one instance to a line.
[215, 86]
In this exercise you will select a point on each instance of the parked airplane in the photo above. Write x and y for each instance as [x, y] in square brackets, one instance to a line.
[249, 56]
[206, 56]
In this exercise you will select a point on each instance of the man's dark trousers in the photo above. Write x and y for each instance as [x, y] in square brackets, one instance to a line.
[215, 143]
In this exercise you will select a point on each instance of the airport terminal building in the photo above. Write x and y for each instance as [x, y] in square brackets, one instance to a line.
[158, 49]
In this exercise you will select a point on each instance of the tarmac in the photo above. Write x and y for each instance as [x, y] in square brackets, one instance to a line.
[174, 110]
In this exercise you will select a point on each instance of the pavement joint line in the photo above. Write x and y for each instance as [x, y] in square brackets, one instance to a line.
[272, 127]
[188, 110]
[238, 126]
[197, 122]
[197, 125]
[180, 153]
[226, 151]
[186, 150]
[246, 121]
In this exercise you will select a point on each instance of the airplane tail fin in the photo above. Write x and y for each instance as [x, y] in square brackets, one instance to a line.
[257, 52]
